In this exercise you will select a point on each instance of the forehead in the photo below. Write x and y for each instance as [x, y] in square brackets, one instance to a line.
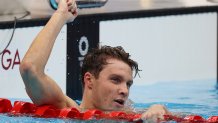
[118, 67]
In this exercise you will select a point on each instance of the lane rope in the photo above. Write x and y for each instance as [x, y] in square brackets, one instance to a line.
[21, 108]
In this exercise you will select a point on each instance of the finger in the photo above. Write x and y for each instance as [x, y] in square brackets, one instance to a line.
[71, 5]
[153, 116]
[70, 8]
[150, 118]
[74, 10]
[146, 116]
[160, 117]
[70, 2]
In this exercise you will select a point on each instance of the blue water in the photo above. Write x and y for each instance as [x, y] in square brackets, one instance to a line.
[184, 97]
[187, 97]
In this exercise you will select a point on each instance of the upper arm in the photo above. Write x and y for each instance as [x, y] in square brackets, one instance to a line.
[42, 89]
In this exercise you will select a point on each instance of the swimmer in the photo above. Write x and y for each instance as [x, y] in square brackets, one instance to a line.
[107, 72]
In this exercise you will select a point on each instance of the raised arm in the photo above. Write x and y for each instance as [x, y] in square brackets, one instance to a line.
[41, 88]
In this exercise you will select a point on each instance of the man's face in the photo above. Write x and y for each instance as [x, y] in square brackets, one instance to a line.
[111, 88]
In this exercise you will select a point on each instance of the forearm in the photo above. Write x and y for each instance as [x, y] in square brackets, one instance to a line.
[41, 47]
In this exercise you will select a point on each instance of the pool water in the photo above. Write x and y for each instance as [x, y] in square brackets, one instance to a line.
[24, 119]
[187, 97]
[184, 98]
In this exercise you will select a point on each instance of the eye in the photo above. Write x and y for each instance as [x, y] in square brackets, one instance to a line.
[115, 80]
[129, 84]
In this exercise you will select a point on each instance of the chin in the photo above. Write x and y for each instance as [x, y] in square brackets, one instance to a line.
[114, 108]
[120, 108]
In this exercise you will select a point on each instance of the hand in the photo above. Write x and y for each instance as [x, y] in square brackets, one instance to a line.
[68, 8]
[155, 112]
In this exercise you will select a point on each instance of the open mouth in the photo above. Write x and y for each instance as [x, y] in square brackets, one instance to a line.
[120, 101]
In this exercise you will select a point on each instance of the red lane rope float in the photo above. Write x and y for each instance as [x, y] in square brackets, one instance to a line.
[70, 113]
[92, 114]
[213, 119]
[5, 105]
[173, 118]
[195, 119]
[48, 111]
[21, 107]
[119, 115]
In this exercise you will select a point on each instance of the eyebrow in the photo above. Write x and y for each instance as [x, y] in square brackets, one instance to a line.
[121, 77]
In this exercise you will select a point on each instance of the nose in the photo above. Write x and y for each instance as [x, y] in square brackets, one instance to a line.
[123, 90]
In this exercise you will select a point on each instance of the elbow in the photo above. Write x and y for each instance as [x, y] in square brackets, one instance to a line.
[27, 68]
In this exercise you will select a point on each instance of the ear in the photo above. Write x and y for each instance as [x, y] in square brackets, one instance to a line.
[88, 80]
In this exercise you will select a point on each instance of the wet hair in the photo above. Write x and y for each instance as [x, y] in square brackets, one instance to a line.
[96, 59]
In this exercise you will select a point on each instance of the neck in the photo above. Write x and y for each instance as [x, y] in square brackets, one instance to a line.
[87, 102]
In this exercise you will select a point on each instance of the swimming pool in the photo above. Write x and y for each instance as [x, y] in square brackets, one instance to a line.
[184, 97]
[189, 97]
